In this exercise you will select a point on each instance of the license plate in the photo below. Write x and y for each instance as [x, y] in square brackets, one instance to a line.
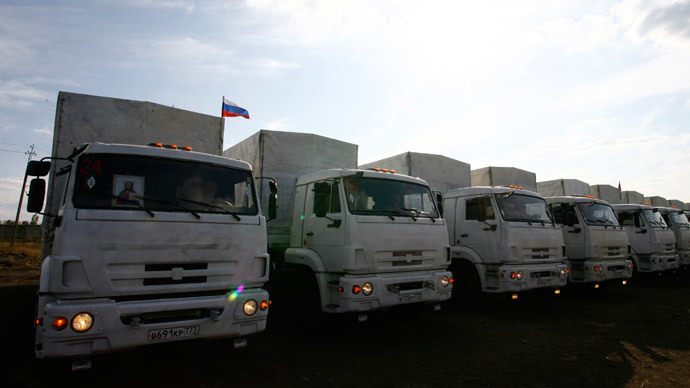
[173, 333]
[409, 298]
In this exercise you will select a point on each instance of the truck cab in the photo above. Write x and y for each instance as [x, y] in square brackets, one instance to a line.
[152, 244]
[370, 240]
[678, 222]
[596, 246]
[653, 244]
[503, 240]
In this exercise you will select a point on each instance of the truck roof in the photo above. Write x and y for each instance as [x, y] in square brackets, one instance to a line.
[165, 152]
[631, 206]
[343, 172]
[476, 190]
[574, 199]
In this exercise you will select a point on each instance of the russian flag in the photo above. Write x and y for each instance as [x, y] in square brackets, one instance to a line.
[230, 109]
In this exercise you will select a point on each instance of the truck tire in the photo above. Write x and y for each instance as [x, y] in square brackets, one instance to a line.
[467, 289]
[304, 299]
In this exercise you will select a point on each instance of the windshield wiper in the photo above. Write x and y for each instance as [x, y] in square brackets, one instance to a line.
[421, 213]
[127, 202]
[527, 220]
[173, 204]
[226, 211]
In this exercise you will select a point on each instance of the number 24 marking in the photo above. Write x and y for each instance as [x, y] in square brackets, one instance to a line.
[90, 165]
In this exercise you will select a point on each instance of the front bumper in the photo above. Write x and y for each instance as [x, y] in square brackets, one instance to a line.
[596, 271]
[392, 290]
[534, 276]
[122, 325]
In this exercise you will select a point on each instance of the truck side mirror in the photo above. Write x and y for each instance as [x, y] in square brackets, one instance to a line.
[439, 202]
[37, 168]
[273, 186]
[272, 206]
[37, 194]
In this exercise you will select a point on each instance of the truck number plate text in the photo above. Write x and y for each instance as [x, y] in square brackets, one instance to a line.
[173, 333]
[409, 298]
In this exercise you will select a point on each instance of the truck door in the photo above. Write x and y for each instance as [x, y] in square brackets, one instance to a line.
[638, 232]
[477, 228]
[324, 223]
[573, 232]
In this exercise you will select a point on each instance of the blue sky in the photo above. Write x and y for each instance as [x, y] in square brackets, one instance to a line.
[592, 90]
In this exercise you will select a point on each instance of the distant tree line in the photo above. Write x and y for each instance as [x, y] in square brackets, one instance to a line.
[34, 221]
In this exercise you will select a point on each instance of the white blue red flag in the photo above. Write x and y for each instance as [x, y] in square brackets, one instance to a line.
[230, 109]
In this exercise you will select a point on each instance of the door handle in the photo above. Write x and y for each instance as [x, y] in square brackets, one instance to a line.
[310, 234]
[464, 235]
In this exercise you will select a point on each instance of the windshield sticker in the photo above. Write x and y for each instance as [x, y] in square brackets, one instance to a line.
[91, 182]
[128, 191]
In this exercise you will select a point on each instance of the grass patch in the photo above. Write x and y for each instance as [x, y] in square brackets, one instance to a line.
[25, 248]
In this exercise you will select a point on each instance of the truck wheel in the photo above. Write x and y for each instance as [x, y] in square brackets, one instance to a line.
[304, 299]
[467, 290]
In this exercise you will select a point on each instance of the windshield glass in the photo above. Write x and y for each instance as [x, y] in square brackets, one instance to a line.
[519, 207]
[679, 218]
[597, 214]
[108, 181]
[655, 219]
[388, 197]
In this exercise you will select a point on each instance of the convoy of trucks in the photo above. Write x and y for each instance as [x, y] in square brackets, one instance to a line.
[146, 241]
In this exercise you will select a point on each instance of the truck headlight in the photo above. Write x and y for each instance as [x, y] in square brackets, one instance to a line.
[250, 307]
[519, 275]
[367, 288]
[445, 281]
[82, 322]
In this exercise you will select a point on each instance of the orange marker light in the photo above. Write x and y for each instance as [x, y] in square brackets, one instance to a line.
[159, 145]
[187, 148]
[60, 323]
[392, 171]
[377, 169]
[263, 305]
[174, 146]
[356, 289]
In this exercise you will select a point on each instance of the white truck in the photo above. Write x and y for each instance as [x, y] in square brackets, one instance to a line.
[151, 244]
[676, 219]
[348, 240]
[596, 246]
[653, 245]
[503, 240]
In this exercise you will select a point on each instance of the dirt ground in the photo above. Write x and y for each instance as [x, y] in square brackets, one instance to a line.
[632, 336]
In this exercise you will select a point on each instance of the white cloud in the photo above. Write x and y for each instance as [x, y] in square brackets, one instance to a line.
[282, 124]
[18, 95]
[44, 131]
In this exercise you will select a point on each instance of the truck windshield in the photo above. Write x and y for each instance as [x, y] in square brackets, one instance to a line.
[597, 214]
[526, 208]
[389, 197]
[130, 182]
[679, 218]
[655, 219]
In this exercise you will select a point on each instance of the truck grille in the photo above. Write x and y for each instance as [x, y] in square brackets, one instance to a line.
[538, 253]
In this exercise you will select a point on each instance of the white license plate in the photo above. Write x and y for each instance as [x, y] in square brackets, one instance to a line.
[409, 298]
[173, 333]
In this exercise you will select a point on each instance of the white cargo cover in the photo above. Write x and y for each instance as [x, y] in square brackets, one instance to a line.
[560, 187]
[676, 203]
[655, 200]
[504, 176]
[632, 197]
[284, 156]
[441, 172]
[608, 193]
[82, 118]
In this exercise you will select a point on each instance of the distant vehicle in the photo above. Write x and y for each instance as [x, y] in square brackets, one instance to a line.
[596, 246]
[653, 244]
[503, 240]
[152, 244]
[678, 222]
[347, 240]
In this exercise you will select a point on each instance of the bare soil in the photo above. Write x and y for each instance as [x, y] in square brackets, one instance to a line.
[618, 336]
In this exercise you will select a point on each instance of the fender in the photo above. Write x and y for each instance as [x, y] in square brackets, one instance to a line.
[305, 256]
[467, 254]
